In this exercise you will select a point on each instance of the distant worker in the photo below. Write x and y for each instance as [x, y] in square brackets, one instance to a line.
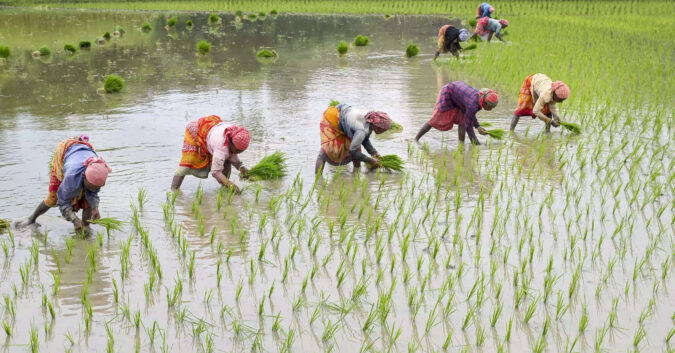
[487, 27]
[344, 130]
[458, 103]
[77, 175]
[449, 38]
[484, 10]
[212, 146]
[538, 97]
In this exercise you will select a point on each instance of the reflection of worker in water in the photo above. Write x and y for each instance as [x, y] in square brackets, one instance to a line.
[538, 97]
[211, 146]
[458, 104]
[487, 27]
[484, 10]
[77, 175]
[449, 38]
[344, 130]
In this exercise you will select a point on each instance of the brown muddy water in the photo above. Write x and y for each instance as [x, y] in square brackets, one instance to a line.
[551, 243]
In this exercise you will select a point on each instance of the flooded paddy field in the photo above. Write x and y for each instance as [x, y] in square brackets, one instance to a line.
[538, 242]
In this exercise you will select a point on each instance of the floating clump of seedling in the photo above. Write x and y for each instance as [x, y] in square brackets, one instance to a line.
[274, 12]
[113, 83]
[262, 14]
[107, 35]
[361, 40]
[203, 47]
[43, 51]
[252, 17]
[496, 133]
[171, 22]
[213, 18]
[412, 50]
[146, 27]
[270, 167]
[85, 44]
[69, 48]
[4, 51]
[387, 16]
[571, 127]
[188, 24]
[239, 13]
[264, 53]
[342, 47]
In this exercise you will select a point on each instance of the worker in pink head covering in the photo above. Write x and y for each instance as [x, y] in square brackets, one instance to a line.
[458, 103]
[77, 175]
[211, 146]
[538, 98]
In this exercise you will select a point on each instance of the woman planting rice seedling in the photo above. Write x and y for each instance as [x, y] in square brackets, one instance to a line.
[538, 97]
[212, 146]
[484, 10]
[344, 130]
[458, 103]
[77, 175]
[487, 27]
[449, 38]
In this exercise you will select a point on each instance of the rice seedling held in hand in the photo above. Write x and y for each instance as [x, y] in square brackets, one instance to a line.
[392, 162]
[270, 167]
[497, 133]
[471, 46]
[109, 223]
[571, 127]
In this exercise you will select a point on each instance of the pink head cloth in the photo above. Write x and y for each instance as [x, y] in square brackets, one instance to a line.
[380, 120]
[239, 135]
[488, 98]
[560, 89]
[97, 171]
[504, 22]
[84, 138]
[491, 9]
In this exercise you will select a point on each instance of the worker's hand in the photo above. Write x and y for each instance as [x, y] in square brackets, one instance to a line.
[232, 186]
[377, 157]
[375, 163]
[555, 122]
[482, 131]
[95, 214]
[243, 172]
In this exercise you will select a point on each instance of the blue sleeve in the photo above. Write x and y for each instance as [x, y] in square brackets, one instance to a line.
[92, 198]
[360, 137]
[369, 146]
[69, 189]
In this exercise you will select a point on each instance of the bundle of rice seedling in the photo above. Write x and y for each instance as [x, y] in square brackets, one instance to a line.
[270, 167]
[395, 127]
[486, 124]
[109, 223]
[392, 162]
[471, 46]
[497, 133]
[4, 224]
[571, 127]
[334, 103]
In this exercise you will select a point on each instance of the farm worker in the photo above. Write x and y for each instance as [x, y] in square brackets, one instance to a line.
[344, 130]
[487, 27]
[458, 104]
[212, 146]
[77, 175]
[484, 10]
[449, 38]
[538, 97]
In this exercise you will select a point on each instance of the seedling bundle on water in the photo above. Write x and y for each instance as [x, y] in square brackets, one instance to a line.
[264, 53]
[412, 50]
[361, 40]
[203, 47]
[4, 51]
[270, 167]
[113, 83]
[342, 47]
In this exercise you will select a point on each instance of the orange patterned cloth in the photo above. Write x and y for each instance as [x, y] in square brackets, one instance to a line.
[195, 154]
[56, 175]
[526, 102]
[334, 142]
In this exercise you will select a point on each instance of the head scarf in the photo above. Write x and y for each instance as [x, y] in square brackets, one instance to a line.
[97, 171]
[239, 135]
[560, 89]
[379, 120]
[488, 98]
[491, 9]
[463, 35]
[84, 138]
[504, 22]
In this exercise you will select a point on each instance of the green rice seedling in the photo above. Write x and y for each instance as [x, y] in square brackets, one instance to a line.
[496, 313]
[471, 46]
[113, 84]
[142, 197]
[392, 162]
[7, 327]
[531, 310]
[497, 133]
[473, 22]
[252, 16]
[270, 167]
[171, 22]
[412, 50]
[34, 340]
[203, 47]
[189, 24]
[264, 53]
[106, 35]
[146, 27]
[137, 319]
[191, 264]
[571, 127]
[35, 251]
[342, 48]
[84, 44]
[361, 40]
[44, 51]
[213, 18]
[583, 322]
[274, 12]
[395, 127]
[109, 223]
[4, 51]
[69, 48]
